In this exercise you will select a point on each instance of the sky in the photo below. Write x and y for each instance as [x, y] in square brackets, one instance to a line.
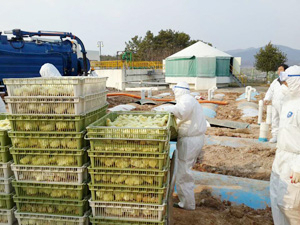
[227, 24]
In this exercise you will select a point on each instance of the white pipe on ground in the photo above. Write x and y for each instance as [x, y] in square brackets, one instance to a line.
[260, 111]
[143, 94]
[209, 93]
[248, 88]
[249, 94]
[150, 93]
[263, 132]
[213, 91]
[269, 114]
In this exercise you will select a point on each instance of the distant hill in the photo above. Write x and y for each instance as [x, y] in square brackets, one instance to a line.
[247, 55]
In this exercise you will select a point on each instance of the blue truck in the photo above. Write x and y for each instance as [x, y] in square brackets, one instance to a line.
[23, 54]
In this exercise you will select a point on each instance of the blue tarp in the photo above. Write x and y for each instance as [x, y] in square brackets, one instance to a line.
[209, 112]
[252, 193]
[253, 94]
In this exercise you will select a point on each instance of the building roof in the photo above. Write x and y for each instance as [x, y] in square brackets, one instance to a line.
[199, 49]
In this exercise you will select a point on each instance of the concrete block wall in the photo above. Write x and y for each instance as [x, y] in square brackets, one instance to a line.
[122, 78]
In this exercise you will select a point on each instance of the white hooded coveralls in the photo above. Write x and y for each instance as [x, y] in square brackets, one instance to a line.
[191, 131]
[275, 95]
[285, 196]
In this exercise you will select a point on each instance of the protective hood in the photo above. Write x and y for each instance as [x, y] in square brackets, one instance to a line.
[182, 88]
[49, 70]
[293, 81]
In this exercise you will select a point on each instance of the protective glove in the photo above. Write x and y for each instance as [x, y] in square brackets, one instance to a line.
[295, 177]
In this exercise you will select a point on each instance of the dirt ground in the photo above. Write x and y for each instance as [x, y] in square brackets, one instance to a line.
[238, 133]
[211, 211]
[231, 111]
[251, 162]
[252, 132]
[225, 112]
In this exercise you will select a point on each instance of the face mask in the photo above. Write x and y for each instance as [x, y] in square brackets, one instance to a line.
[283, 76]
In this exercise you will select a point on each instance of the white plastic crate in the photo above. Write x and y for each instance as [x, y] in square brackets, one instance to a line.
[62, 86]
[34, 218]
[6, 186]
[5, 170]
[7, 216]
[128, 211]
[56, 105]
[75, 175]
[95, 101]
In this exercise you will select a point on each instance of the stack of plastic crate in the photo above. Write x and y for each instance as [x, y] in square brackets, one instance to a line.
[6, 176]
[129, 171]
[48, 121]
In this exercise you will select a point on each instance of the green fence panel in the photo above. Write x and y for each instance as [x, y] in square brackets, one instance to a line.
[223, 67]
[206, 67]
[182, 67]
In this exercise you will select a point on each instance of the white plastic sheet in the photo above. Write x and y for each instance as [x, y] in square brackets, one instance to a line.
[122, 108]
[162, 95]
[250, 112]
[207, 124]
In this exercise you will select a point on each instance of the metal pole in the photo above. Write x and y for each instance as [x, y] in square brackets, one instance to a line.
[100, 44]
[100, 53]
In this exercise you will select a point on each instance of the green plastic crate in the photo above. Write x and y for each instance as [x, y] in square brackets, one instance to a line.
[128, 178]
[49, 157]
[48, 140]
[3, 116]
[100, 130]
[112, 160]
[48, 190]
[58, 123]
[128, 194]
[128, 145]
[4, 138]
[5, 155]
[95, 115]
[44, 219]
[45, 123]
[100, 221]
[6, 201]
[51, 206]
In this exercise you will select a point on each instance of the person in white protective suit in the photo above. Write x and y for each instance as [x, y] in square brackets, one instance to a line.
[275, 96]
[49, 70]
[191, 131]
[285, 176]
[93, 73]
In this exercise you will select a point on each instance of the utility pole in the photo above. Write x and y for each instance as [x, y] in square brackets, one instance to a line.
[99, 45]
